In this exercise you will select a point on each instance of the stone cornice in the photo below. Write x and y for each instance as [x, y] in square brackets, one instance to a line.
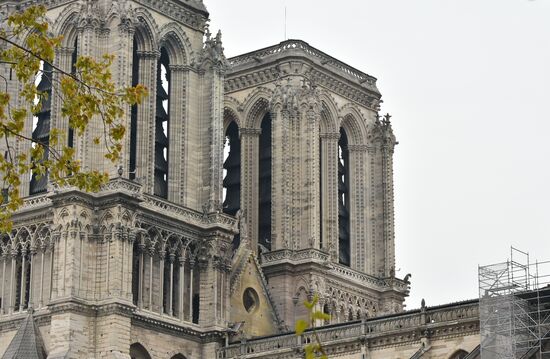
[190, 331]
[267, 65]
[192, 13]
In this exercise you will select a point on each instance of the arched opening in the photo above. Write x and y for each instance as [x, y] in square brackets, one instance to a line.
[136, 273]
[343, 200]
[178, 356]
[264, 184]
[162, 120]
[232, 174]
[41, 125]
[74, 59]
[171, 286]
[134, 112]
[232, 170]
[326, 310]
[22, 281]
[460, 354]
[137, 351]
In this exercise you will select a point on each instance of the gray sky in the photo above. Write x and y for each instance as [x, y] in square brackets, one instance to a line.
[467, 84]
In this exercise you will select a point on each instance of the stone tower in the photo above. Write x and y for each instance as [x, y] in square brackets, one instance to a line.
[246, 186]
[316, 180]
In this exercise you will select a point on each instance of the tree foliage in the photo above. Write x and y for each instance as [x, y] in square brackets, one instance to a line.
[315, 349]
[86, 94]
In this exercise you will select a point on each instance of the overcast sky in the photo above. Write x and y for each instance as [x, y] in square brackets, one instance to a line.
[467, 84]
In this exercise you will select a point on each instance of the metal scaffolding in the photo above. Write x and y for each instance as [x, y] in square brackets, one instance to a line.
[514, 308]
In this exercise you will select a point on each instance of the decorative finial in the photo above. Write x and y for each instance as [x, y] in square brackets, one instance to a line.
[423, 304]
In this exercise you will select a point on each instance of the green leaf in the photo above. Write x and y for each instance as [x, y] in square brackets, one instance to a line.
[320, 316]
[300, 326]
[310, 305]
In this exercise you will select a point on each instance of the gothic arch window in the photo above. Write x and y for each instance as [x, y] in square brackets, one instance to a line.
[162, 121]
[264, 184]
[460, 354]
[137, 351]
[232, 170]
[344, 243]
[41, 124]
[165, 280]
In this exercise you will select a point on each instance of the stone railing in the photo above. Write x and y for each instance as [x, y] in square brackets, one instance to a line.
[38, 201]
[188, 215]
[293, 45]
[382, 283]
[368, 329]
[134, 189]
[288, 255]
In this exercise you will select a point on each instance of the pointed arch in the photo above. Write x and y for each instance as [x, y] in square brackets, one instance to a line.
[329, 114]
[138, 351]
[175, 40]
[256, 105]
[65, 24]
[146, 30]
[459, 354]
[231, 112]
[353, 129]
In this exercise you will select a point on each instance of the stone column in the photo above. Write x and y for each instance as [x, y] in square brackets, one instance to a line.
[51, 249]
[63, 59]
[13, 285]
[312, 118]
[329, 194]
[389, 232]
[171, 258]
[250, 138]
[151, 255]
[3, 304]
[32, 252]
[141, 247]
[145, 156]
[191, 266]
[181, 287]
[42, 257]
[161, 282]
[176, 131]
[23, 277]
[360, 253]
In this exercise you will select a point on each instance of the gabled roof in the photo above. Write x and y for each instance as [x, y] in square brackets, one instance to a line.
[27, 342]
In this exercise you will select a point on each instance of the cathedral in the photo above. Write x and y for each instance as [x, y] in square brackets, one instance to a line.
[247, 186]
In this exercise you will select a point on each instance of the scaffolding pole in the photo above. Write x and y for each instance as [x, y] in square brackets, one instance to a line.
[515, 308]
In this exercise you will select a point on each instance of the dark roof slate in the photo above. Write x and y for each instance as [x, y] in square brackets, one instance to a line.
[27, 342]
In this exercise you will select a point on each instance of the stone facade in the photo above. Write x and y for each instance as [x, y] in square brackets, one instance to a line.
[247, 185]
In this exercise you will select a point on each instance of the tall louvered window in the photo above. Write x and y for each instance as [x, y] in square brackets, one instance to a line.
[343, 200]
[41, 130]
[134, 114]
[232, 175]
[264, 184]
[232, 171]
[161, 125]
[74, 58]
